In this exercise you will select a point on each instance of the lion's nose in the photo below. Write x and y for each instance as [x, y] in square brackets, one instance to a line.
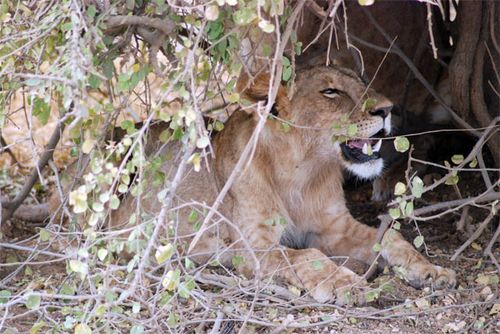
[382, 112]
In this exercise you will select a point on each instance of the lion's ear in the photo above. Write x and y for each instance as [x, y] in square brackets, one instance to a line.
[257, 89]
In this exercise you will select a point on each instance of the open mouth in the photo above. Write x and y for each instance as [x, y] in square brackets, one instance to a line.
[363, 150]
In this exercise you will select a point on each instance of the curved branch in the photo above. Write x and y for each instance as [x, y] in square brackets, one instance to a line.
[11, 207]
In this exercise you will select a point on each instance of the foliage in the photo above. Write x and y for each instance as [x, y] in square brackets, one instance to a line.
[97, 67]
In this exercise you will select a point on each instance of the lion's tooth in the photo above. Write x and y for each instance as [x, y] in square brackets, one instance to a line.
[365, 148]
[377, 146]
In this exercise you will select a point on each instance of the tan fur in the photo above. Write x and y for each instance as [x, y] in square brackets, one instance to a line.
[296, 175]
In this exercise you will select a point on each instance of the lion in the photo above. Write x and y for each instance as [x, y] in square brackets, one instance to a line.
[286, 214]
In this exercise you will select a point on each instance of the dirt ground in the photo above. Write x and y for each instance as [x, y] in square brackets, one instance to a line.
[472, 307]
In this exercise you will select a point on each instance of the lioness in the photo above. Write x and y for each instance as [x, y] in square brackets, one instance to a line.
[295, 175]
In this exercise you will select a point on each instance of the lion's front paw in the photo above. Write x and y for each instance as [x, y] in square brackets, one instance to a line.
[420, 275]
[344, 288]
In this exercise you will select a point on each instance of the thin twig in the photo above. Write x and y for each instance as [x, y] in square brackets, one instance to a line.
[475, 235]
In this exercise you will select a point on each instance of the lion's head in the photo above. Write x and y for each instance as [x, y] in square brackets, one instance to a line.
[334, 98]
[327, 101]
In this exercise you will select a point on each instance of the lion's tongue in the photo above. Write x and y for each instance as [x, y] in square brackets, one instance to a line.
[358, 143]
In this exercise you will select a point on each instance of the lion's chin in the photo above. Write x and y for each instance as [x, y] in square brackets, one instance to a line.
[366, 170]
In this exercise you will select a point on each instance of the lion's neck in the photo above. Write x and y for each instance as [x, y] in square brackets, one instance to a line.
[304, 174]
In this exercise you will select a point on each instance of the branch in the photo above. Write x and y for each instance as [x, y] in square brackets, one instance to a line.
[396, 50]
[11, 207]
[475, 235]
[477, 147]
[4, 147]
[31, 213]
[461, 65]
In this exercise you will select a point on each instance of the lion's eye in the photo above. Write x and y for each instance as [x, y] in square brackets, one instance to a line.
[331, 92]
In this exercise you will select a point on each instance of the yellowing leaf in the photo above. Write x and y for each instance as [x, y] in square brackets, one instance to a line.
[164, 253]
[79, 267]
[44, 235]
[88, 145]
[399, 189]
[422, 303]
[368, 104]
[212, 13]
[476, 246]
[457, 159]
[366, 2]
[195, 159]
[294, 290]
[171, 280]
[495, 309]
[82, 329]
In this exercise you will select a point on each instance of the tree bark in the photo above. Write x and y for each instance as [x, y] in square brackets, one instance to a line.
[461, 66]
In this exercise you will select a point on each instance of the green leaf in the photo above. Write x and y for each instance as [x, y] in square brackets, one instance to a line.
[36, 327]
[33, 302]
[4, 296]
[164, 253]
[91, 11]
[237, 260]
[67, 289]
[244, 16]
[287, 73]
[377, 247]
[114, 203]
[418, 241]
[452, 180]
[137, 329]
[44, 235]
[397, 225]
[395, 213]
[417, 187]
[457, 159]
[399, 189]
[401, 144]
[193, 216]
[33, 82]
[352, 129]
[41, 110]
[409, 209]
[372, 295]
[473, 163]
[173, 319]
[102, 253]
[368, 104]
[317, 265]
